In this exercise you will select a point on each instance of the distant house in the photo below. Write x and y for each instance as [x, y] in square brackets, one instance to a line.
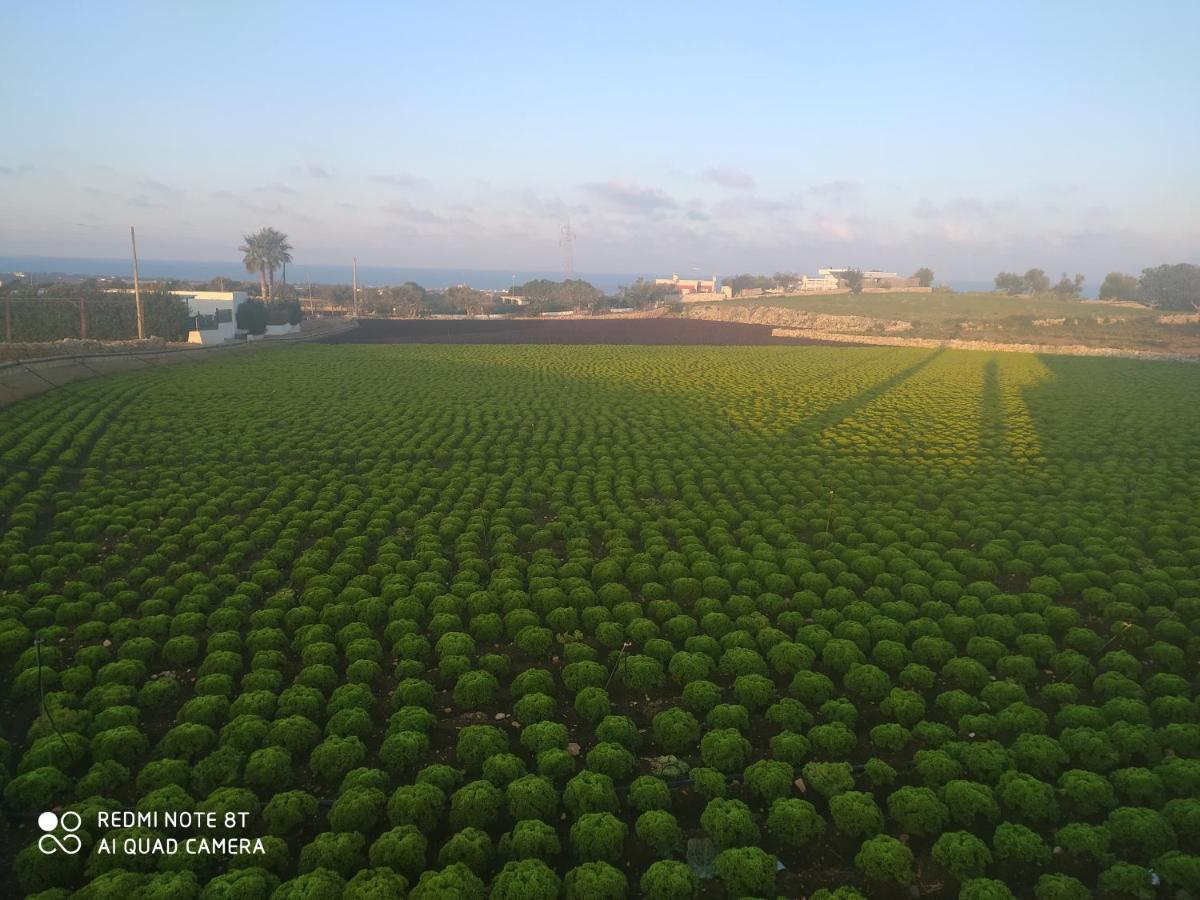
[512, 300]
[212, 315]
[831, 280]
[825, 280]
[689, 285]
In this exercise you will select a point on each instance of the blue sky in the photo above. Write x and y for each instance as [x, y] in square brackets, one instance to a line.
[969, 136]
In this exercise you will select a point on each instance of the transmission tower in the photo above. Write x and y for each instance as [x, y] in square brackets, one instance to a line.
[566, 243]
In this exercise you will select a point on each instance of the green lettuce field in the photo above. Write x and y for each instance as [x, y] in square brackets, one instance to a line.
[538, 622]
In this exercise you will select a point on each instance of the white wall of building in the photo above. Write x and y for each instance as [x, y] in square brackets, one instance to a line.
[222, 304]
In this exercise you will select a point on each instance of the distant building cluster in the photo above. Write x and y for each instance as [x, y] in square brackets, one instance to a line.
[832, 280]
[696, 289]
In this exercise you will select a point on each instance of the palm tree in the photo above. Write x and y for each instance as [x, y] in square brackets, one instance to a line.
[279, 253]
[255, 256]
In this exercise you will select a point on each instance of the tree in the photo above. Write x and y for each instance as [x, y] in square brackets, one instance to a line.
[408, 298]
[1036, 281]
[1010, 283]
[278, 252]
[1117, 286]
[252, 316]
[471, 301]
[924, 276]
[785, 280]
[642, 294]
[256, 258]
[853, 279]
[1171, 287]
[739, 283]
[1068, 287]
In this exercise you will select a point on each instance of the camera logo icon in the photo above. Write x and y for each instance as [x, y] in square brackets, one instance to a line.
[50, 843]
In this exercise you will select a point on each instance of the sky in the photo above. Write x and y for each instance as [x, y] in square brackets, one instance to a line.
[969, 136]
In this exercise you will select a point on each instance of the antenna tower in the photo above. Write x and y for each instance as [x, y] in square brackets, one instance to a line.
[566, 242]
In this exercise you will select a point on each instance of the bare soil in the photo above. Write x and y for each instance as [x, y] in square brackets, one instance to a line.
[654, 331]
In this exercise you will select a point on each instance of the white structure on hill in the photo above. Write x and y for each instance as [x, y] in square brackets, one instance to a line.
[212, 315]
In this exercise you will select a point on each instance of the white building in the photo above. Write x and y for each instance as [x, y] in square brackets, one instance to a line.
[825, 280]
[212, 315]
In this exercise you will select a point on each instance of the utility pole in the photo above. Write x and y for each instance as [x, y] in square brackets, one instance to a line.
[354, 284]
[137, 288]
[8, 320]
[82, 321]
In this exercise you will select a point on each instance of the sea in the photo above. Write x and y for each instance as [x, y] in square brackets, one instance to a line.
[368, 276]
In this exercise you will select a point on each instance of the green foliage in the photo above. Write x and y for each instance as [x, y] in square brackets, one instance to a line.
[885, 859]
[729, 823]
[794, 821]
[598, 836]
[963, 854]
[746, 871]
[668, 880]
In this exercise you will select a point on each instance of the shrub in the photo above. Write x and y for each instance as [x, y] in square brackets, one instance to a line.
[963, 854]
[1018, 844]
[471, 847]
[856, 814]
[676, 730]
[829, 778]
[598, 836]
[885, 859]
[611, 759]
[590, 792]
[476, 805]
[402, 849]
[746, 871]
[658, 830]
[1060, 887]
[527, 879]
[342, 853]
[595, 881]
[592, 704]
[709, 783]
[370, 884]
[724, 749]
[917, 810]
[531, 839]
[668, 880]
[794, 821]
[419, 804]
[475, 690]
[476, 743]
[1140, 834]
[729, 823]
[769, 779]
[532, 797]
[455, 881]
[647, 792]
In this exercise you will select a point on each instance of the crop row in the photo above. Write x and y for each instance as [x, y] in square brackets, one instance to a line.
[610, 622]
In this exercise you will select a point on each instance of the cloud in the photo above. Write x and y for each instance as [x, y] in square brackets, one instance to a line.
[839, 190]
[141, 201]
[317, 171]
[964, 208]
[729, 177]
[16, 170]
[698, 215]
[836, 229]
[401, 179]
[749, 205]
[404, 210]
[151, 184]
[275, 188]
[630, 197]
